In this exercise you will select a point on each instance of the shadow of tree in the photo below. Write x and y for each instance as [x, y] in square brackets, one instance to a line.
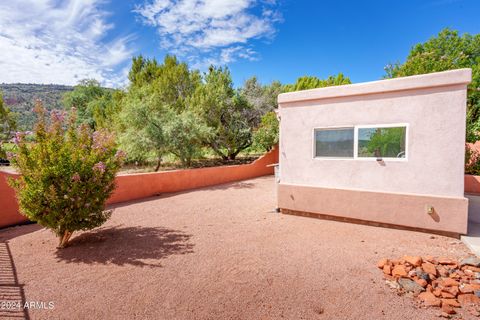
[138, 246]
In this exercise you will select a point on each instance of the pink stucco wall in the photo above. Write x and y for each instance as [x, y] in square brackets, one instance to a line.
[142, 185]
[433, 106]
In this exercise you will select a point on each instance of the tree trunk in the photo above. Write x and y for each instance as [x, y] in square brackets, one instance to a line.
[159, 163]
[63, 239]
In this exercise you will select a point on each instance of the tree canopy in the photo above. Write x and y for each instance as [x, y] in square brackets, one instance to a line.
[446, 51]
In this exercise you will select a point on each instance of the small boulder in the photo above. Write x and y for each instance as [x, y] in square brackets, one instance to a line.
[448, 309]
[470, 261]
[448, 282]
[399, 271]
[468, 299]
[429, 299]
[429, 268]
[466, 288]
[413, 260]
[422, 282]
[451, 302]
[382, 263]
[447, 295]
[446, 261]
[387, 269]
[410, 286]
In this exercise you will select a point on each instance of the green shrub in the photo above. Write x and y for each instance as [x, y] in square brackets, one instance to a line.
[266, 136]
[472, 161]
[67, 174]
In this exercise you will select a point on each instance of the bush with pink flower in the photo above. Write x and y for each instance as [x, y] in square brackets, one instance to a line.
[67, 174]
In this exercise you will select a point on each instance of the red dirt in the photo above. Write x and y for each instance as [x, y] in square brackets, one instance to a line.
[215, 253]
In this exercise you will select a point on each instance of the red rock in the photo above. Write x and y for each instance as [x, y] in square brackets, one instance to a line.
[448, 309]
[421, 282]
[453, 290]
[448, 261]
[466, 288]
[413, 260]
[429, 299]
[451, 302]
[474, 269]
[442, 271]
[447, 295]
[468, 299]
[448, 282]
[399, 271]
[437, 292]
[382, 263]
[387, 269]
[429, 268]
[475, 286]
[430, 259]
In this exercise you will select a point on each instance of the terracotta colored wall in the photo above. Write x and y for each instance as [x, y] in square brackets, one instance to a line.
[472, 184]
[8, 204]
[142, 185]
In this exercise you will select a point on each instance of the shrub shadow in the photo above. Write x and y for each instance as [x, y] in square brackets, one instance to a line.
[137, 246]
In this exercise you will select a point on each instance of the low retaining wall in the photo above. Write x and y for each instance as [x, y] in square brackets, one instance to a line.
[472, 193]
[143, 185]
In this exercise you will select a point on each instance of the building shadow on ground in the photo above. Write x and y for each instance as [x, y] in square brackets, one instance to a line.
[12, 295]
[137, 246]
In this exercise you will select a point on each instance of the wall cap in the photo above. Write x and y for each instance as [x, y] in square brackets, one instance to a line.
[423, 81]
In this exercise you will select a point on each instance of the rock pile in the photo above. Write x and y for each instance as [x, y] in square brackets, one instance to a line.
[436, 282]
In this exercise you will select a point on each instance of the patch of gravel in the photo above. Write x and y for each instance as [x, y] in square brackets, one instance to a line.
[218, 253]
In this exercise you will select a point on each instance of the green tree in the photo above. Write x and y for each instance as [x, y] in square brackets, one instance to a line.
[226, 112]
[93, 103]
[309, 82]
[262, 98]
[67, 174]
[184, 136]
[8, 121]
[448, 50]
[266, 135]
[155, 106]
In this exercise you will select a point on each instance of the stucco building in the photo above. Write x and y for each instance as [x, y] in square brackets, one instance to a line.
[389, 152]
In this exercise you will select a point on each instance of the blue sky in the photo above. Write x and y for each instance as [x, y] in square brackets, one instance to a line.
[53, 41]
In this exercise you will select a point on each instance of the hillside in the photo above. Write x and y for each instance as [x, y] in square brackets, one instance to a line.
[20, 97]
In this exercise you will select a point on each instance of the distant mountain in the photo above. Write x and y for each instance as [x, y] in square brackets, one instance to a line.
[20, 97]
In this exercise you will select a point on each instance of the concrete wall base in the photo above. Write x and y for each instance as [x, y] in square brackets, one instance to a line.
[449, 214]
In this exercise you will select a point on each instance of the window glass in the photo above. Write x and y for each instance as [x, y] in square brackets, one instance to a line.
[334, 142]
[382, 142]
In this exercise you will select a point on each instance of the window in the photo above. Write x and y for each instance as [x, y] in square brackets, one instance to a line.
[381, 142]
[336, 142]
[362, 142]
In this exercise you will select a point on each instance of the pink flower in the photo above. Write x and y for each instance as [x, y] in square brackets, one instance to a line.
[57, 115]
[76, 177]
[100, 167]
[120, 154]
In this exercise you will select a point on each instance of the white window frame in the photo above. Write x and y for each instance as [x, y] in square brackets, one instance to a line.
[355, 141]
[332, 128]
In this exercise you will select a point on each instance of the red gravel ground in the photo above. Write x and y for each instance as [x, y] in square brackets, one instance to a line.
[214, 253]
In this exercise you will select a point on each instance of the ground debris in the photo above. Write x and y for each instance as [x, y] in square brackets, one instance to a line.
[436, 282]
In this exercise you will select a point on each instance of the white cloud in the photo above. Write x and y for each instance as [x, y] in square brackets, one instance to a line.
[50, 41]
[211, 31]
